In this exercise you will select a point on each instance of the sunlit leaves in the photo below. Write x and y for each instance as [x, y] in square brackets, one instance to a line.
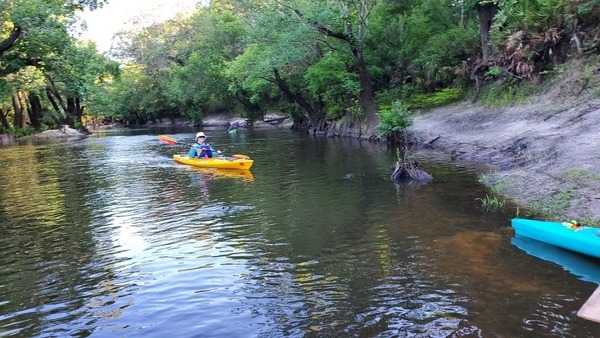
[330, 80]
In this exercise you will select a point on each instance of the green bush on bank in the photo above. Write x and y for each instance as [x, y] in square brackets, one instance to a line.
[393, 119]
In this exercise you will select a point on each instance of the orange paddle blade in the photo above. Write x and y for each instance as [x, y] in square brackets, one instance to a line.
[167, 139]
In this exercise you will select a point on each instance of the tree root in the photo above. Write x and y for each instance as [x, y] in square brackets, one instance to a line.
[409, 171]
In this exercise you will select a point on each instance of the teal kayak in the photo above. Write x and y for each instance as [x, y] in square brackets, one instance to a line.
[577, 238]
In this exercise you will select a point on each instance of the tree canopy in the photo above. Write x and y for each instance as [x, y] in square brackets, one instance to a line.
[334, 66]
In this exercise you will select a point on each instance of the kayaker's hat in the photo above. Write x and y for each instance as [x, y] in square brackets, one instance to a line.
[200, 134]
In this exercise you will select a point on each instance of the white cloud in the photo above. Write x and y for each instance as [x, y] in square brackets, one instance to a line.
[117, 15]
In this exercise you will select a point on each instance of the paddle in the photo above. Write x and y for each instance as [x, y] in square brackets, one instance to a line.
[169, 140]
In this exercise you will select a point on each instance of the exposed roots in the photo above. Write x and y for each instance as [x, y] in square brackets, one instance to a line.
[409, 170]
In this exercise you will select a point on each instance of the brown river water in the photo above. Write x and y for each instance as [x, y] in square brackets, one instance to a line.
[108, 237]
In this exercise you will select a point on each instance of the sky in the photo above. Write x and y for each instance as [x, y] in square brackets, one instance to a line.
[114, 16]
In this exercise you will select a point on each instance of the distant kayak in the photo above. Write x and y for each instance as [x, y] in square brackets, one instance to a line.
[567, 235]
[216, 162]
[232, 131]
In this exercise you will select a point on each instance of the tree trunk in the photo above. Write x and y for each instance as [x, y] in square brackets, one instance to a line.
[78, 113]
[7, 43]
[71, 111]
[366, 98]
[312, 114]
[55, 105]
[3, 119]
[19, 107]
[35, 111]
[54, 96]
[486, 14]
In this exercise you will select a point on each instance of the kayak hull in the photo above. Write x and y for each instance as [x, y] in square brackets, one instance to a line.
[215, 162]
[225, 173]
[583, 240]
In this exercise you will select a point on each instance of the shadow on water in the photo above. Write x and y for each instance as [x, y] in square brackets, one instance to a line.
[108, 236]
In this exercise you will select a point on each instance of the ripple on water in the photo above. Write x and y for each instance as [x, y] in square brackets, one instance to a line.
[102, 240]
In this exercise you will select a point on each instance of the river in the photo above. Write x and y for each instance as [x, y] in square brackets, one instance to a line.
[108, 237]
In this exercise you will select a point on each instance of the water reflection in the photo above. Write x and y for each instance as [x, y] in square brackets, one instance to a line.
[316, 240]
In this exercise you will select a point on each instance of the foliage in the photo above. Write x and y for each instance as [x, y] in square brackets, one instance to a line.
[436, 99]
[393, 119]
[39, 59]
[506, 93]
[423, 46]
[330, 80]
[310, 59]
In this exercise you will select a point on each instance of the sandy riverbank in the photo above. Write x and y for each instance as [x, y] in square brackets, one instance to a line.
[546, 152]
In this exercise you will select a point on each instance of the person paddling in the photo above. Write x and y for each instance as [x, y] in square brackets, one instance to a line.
[232, 127]
[201, 149]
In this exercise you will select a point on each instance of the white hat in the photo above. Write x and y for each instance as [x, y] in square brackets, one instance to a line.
[199, 135]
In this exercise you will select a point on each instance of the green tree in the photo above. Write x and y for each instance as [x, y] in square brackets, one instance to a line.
[35, 36]
[273, 66]
[316, 27]
[200, 82]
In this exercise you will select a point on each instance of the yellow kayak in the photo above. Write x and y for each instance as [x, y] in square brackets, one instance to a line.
[236, 162]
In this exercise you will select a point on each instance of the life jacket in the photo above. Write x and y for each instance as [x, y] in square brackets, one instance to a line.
[205, 151]
[201, 151]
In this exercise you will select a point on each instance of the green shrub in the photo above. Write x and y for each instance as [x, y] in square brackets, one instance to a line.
[393, 119]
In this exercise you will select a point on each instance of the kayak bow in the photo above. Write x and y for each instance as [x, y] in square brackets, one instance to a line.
[570, 236]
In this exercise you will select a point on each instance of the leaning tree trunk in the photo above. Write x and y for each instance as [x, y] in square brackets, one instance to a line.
[3, 119]
[53, 102]
[54, 96]
[312, 113]
[9, 42]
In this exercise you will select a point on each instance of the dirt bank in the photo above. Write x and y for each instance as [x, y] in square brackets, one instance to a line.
[546, 152]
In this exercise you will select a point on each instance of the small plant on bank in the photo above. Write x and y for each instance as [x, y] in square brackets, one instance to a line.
[552, 206]
[582, 174]
[491, 204]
